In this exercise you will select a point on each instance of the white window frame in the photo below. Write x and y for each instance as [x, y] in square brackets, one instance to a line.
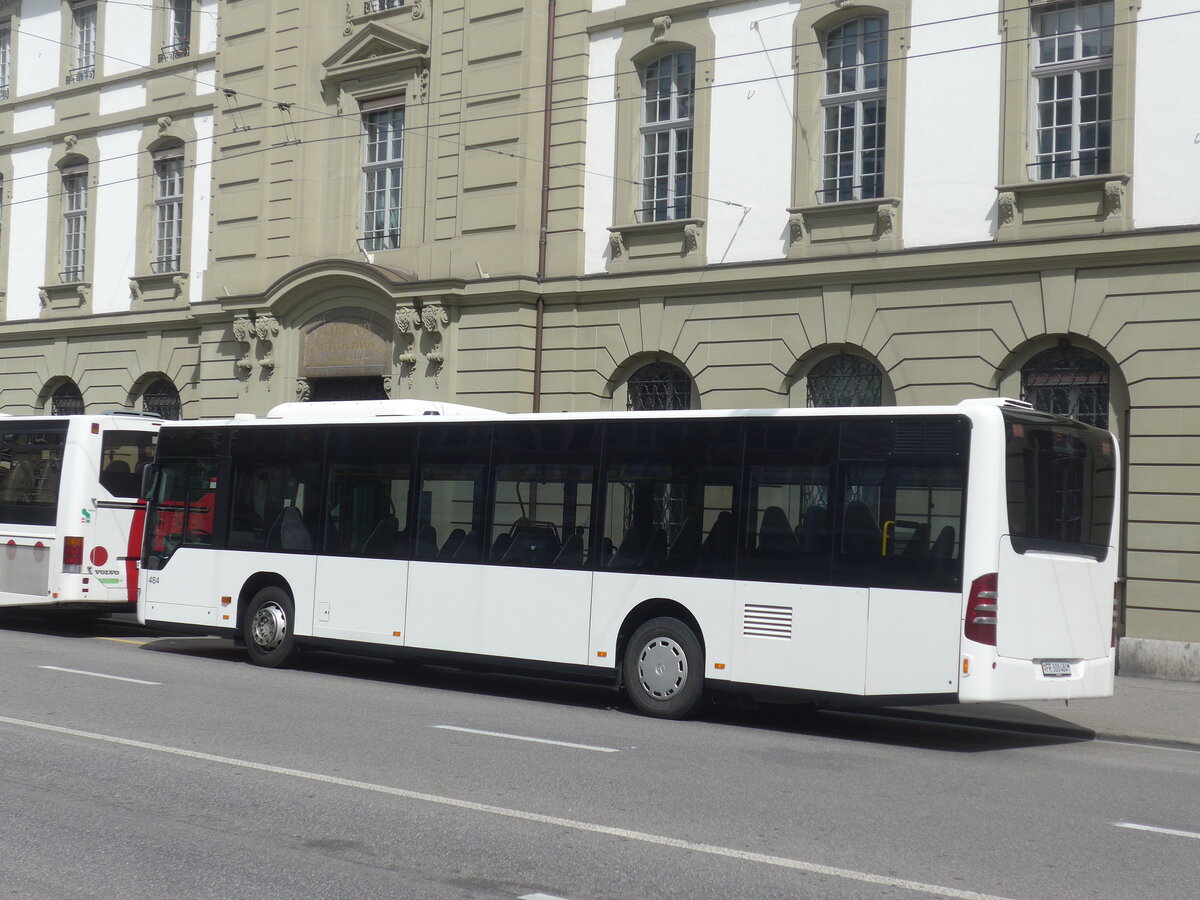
[75, 223]
[1071, 68]
[383, 173]
[668, 137]
[851, 92]
[168, 210]
[5, 59]
[177, 30]
[84, 19]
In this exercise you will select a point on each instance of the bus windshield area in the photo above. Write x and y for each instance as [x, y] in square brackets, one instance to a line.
[1061, 480]
[31, 456]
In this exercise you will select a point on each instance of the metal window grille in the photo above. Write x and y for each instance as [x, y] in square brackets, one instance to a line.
[659, 385]
[168, 203]
[85, 44]
[5, 59]
[1073, 85]
[667, 133]
[374, 6]
[75, 213]
[66, 400]
[855, 111]
[162, 399]
[1068, 381]
[845, 380]
[383, 168]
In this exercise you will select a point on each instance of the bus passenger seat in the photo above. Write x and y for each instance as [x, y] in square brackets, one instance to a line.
[656, 552]
[816, 529]
[776, 539]
[382, 539]
[427, 545]
[860, 532]
[571, 554]
[943, 547]
[918, 545]
[468, 548]
[452, 544]
[720, 540]
[685, 549]
[293, 533]
[629, 553]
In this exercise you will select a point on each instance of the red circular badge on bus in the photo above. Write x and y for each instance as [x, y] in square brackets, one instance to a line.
[99, 556]
[11, 550]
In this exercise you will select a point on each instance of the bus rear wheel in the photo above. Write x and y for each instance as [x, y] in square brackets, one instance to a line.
[268, 628]
[664, 669]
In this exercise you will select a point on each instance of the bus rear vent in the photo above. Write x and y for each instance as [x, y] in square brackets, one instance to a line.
[759, 620]
[924, 438]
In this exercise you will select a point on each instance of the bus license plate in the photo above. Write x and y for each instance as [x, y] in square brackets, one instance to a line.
[1056, 669]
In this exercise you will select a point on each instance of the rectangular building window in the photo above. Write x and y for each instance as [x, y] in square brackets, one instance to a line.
[75, 212]
[177, 37]
[5, 59]
[84, 25]
[855, 111]
[668, 128]
[1073, 89]
[383, 167]
[168, 211]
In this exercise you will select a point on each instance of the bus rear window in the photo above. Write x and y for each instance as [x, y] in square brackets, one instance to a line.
[1060, 478]
[31, 458]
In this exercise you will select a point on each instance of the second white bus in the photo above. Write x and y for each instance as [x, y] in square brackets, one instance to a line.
[919, 554]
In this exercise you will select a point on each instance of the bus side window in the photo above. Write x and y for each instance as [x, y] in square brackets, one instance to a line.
[276, 490]
[452, 471]
[123, 454]
[366, 514]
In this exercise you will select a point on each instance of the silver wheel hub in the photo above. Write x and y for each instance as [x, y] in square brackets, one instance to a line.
[662, 668]
[268, 628]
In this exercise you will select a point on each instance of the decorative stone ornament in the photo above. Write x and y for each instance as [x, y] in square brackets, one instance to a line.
[660, 25]
[266, 329]
[1006, 207]
[407, 323]
[434, 319]
[1114, 199]
[243, 333]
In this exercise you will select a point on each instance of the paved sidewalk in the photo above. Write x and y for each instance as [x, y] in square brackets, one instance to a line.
[1141, 710]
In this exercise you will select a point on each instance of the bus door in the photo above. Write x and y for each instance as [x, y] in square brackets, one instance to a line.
[1057, 563]
[115, 518]
[899, 533]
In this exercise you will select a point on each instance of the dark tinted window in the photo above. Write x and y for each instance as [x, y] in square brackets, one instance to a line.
[669, 497]
[182, 509]
[790, 465]
[1061, 478]
[123, 455]
[276, 489]
[370, 468]
[451, 503]
[542, 499]
[898, 511]
[31, 456]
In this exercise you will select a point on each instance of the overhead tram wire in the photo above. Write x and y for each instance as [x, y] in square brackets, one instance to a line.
[558, 108]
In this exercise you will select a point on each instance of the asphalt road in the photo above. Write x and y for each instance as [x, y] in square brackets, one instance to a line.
[137, 765]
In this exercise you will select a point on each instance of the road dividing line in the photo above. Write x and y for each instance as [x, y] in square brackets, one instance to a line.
[124, 641]
[532, 740]
[98, 675]
[1194, 835]
[644, 837]
[541, 897]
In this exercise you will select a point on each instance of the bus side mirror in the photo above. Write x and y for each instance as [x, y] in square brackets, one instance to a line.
[149, 481]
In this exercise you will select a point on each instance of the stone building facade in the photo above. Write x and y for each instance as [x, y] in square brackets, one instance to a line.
[754, 204]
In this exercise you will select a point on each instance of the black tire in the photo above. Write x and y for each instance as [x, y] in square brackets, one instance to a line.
[268, 628]
[664, 669]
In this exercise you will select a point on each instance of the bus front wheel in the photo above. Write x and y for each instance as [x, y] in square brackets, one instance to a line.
[664, 669]
[268, 628]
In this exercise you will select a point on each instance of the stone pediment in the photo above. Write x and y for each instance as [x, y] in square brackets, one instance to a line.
[375, 49]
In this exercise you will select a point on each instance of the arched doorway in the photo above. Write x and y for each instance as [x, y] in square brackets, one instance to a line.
[345, 354]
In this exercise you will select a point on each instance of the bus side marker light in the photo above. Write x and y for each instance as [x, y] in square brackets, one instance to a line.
[718, 665]
[602, 653]
[966, 665]
[95, 428]
[225, 601]
[395, 634]
[225, 617]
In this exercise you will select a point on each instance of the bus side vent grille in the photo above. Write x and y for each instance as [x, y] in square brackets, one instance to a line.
[923, 438]
[759, 620]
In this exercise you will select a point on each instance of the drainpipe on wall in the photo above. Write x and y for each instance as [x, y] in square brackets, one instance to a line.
[545, 219]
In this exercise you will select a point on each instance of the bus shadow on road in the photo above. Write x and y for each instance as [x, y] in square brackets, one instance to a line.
[72, 624]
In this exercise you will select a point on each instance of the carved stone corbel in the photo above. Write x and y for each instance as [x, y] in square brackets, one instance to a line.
[434, 320]
[886, 219]
[1114, 199]
[418, 10]
[1006, 207]
[180, 282]
[660, 25]
[243, 333]
[43, 297]
[266, 329]
[135, 290]
[408, 323]
[795, 228]
[303, 390]
[691, 238]
[164, 125]
[616, 245]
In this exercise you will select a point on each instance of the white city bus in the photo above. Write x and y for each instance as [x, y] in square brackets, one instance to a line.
[70, 517]
[920, 554]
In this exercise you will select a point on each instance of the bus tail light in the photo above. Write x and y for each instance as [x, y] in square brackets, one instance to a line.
[1116, 613]
[72, 554]
[981, 610]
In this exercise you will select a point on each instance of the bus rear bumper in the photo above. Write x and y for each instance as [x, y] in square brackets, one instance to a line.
[1002, 679]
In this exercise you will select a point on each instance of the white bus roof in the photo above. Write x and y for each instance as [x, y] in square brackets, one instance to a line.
[357, 409]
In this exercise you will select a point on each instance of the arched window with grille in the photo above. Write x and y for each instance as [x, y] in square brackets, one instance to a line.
[845, 380]
[161, 398]
[66, 400]
[1068, 381]
[659, 385]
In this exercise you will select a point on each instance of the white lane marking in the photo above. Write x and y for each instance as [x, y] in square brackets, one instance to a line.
[541, 897]
[1173, 831]
[98, 675]
[571, 824]
[1146, 746]
[532, 740]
